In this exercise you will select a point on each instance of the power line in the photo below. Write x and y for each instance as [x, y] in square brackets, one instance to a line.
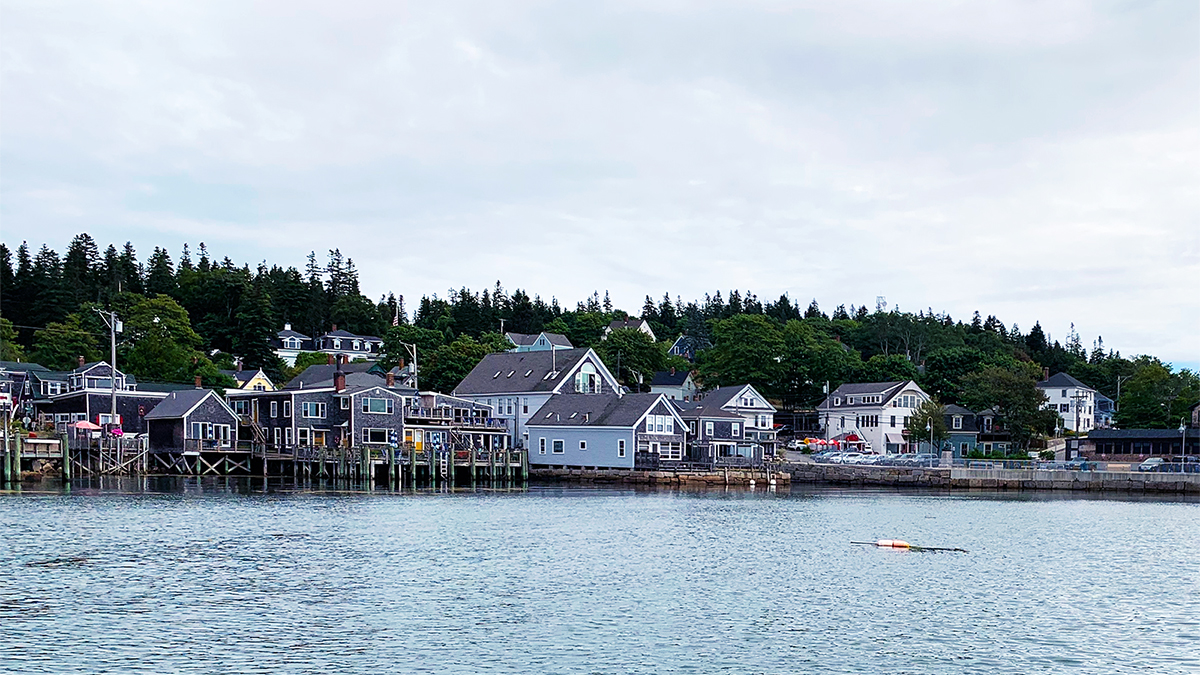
[60, 330]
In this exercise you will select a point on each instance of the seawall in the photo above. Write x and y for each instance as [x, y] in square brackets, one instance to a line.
[679, 477]
[995, 479]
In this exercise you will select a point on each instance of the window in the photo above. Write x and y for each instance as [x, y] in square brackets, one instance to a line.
[587, 381]
[558, 448]
[670, 423]
[274, 408]
[287, 436]
[275, 435]
[735, 430]
[311, 409]
[345, 402]
[1065, 407]
[893, 421]
[107, 418]
[708, 428]
[956, 422]
[525, 405]
[287, 408]
[378, 405]
[223, 434]
[510, 405]
[241, 407]
[374, 435]
[963, 448]
[763, 423]
[620, 447]
[302, 436]
[1064, 393]
[541, 446]
[583, 446]
[837, 401]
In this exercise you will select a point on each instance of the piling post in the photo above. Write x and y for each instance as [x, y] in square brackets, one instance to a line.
[66, 458]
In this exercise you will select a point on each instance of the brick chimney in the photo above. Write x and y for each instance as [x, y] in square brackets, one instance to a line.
[198, 384]
[401, 364]
[339, 381]
[391, 379]
[81, 362]
[239, 365]
[329, 359]
[334, 329]
[1045, 374]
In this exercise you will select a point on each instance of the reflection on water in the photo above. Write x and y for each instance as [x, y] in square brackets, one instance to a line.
[215, 575]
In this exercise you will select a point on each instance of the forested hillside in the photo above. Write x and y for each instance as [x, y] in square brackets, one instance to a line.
[186, 316]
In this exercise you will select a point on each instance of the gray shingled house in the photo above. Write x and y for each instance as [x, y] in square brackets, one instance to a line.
[606, 431]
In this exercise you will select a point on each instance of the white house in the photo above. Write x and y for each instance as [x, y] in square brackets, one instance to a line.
[875, 411]
[636, 324]
[1074, 401]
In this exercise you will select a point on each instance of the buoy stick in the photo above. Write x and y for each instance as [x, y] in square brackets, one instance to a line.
[898, 543]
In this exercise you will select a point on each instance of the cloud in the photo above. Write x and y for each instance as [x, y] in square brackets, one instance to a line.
[1038, 161]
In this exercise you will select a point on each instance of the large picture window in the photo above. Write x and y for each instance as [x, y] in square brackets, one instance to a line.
[312, 409]
[374, 435]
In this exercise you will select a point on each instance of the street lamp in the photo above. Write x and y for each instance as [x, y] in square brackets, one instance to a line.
[929, 428]
[1182, 444]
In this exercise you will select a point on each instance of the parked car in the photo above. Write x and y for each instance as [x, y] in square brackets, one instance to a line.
[1080, 464]
[1152, 464]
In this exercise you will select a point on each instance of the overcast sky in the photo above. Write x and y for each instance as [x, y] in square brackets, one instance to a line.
[1039, 161]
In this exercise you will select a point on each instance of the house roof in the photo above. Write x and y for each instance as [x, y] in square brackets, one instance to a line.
[723, 396]
[22, 366]
[339, 333]
[322, 375]
[526, 339]
[670, 378]
[1062, 381]
[161, 387]
[884, 389]
[241, 375]
[1132, 434]
[179, 403]
[703, 409]
[594, 410]
[618, 324]
[292, 333]
[953, 409]
[516, 372]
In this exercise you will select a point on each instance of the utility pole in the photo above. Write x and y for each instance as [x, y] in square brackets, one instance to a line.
[1120, 379]
[114, 327]
[412, 349]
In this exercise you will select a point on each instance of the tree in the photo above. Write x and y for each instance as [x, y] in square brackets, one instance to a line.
[161, 344]
[255, 329]
[1016, 399]
[638, 356]
[426, 340]
[1155, 397]
[929, 413]
[449, 364]
[59, 345]
[9, 349]
[748, 350]
[893, 368]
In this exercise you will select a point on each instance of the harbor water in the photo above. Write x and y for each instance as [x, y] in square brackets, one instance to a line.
[195, 577]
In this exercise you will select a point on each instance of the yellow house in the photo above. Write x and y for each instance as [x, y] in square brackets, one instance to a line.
[251, 380]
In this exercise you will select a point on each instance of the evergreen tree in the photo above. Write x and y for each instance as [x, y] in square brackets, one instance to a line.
[81, 271]
[256, 326]
[160, 274]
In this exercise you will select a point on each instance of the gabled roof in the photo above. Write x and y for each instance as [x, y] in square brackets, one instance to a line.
[322, 375]
[339, 333]
[618, 324]
[22, 366]
[292, 333]
[723, 396]
[885, 389]
[670, 378]
[159, 388]
[1062, 381]
[243, 375]
[178, 404]
[704, 409]
[526, 339]
[519, 372]
[594, 410]
[953, 409]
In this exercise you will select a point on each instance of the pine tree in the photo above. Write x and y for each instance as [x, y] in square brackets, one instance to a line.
[160, 275]
[81, 271]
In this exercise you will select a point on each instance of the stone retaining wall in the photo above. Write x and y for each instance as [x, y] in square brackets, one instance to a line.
[995, 479]
[699, 478]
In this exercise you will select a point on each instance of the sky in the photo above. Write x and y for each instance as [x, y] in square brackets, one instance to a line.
[1039, 161]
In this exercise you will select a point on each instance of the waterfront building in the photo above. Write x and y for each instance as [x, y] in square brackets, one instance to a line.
[715, 435]
[758, 415]
[607, 430]
[962, 425]
[192, 420]
[875, 411]
[86, 393]
[516, 384]
[1074, 401]
[289, 344]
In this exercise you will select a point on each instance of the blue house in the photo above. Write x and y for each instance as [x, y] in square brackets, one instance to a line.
[608, 430]
[963, 427]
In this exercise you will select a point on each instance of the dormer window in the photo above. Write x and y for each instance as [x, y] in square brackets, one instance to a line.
[837, 401]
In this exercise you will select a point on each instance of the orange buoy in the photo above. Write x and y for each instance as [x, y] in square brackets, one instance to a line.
[893, 543]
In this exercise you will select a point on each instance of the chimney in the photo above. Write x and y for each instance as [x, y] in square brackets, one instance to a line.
[672, 370]
[401, 364]
[339, 381]
[1045, 374]
[81, 362]
[334, 329]
[239, 365]
[329, 359]
[198, 385]
[391, 379]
